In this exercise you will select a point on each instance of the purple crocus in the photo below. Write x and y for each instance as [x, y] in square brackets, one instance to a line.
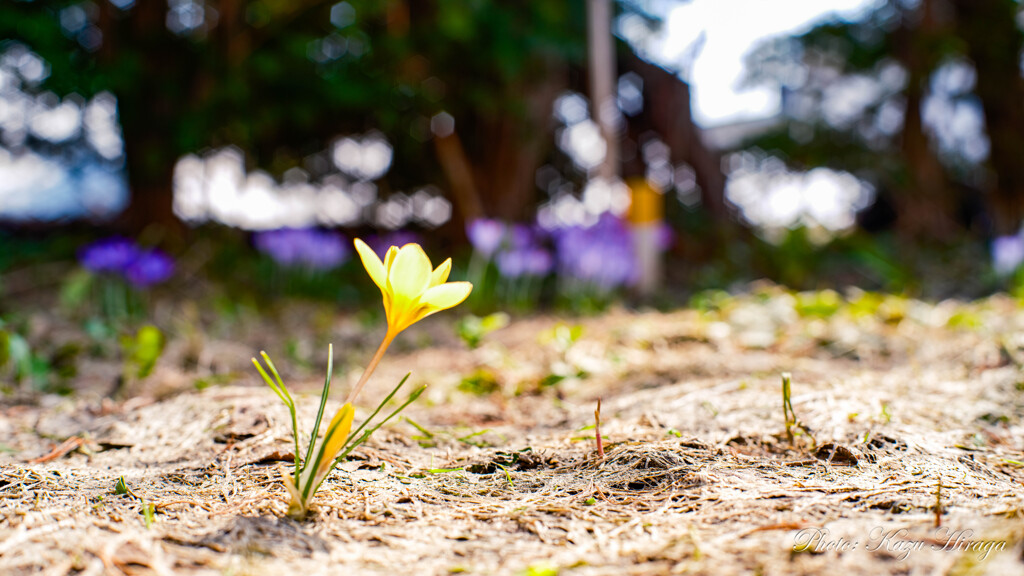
[486, 235]
[304, 247]
[1007, 254]
[601, 254]
[520, 236]
[538, 262]
[149, 267]
[109, 255]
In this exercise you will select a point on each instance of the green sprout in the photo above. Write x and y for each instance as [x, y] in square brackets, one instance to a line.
[789, 414]
[472, 329]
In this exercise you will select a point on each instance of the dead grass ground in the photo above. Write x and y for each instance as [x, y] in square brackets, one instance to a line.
[699, 476]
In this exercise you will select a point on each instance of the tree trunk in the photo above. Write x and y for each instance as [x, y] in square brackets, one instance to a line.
[148, 122]
[994, 44]
[602, 75]
[667, 112]
[926, 205]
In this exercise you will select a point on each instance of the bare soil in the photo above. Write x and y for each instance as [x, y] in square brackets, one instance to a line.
[909, 460]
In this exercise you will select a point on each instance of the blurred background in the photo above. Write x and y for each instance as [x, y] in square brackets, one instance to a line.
[566, 153]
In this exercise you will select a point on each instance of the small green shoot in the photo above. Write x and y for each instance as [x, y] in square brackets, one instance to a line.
[472, 329]
[789, 414]
[141, 352]
[443, 470]
[148, 514]
[469, 439]
[508, 477]
[541, 569]
[886, 414]
[482, 382]
[427, 437]
[562, 336]
[121, 488]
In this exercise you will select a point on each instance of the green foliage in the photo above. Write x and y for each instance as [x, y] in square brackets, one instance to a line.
[142, 351]
[820, 304]
[5, 348]
[472, 329]
[789, 415]
[21, 362]
[481, 383]
[540, 569]
[77, 287]
[120, 487]
[710, 300]
[561, 336]
[285, 80]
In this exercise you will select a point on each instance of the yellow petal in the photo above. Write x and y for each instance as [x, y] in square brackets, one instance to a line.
[372, 263]
[409, 274]
[446, 296]
[389, 257]
[336, 434]
[440, 275]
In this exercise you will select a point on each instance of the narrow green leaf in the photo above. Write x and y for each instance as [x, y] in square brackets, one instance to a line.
[323, 402]
[355, 433]
[412, 398]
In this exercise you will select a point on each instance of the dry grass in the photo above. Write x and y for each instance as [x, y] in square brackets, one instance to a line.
[698, 475]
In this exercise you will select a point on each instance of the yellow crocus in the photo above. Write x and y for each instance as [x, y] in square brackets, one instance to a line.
[412, 290]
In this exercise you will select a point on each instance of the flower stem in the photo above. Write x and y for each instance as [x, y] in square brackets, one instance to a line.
[371, 367]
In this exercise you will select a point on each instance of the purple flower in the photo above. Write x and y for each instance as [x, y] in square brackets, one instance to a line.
[303, 247]
[381, 242]
[1007, 254]
[666, 237]
[486, 235]
[109, 255]
[528, 262]
[511, 263]
[520, 236]
[538, 262]
[601, 254]
[149, 267]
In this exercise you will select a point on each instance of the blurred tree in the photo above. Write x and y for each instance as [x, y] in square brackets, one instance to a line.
[856, 95]
[474, 80]
[994, 41]
[280, 79]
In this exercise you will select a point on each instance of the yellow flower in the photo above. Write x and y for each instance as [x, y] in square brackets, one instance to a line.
[412, 291]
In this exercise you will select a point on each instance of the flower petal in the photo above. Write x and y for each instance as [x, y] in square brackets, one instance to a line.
[389, 257]
[440, 275]
[409, 273]
[374, 267]
[446, 296]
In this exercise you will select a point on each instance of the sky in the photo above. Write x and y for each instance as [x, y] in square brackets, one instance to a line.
[732, 28]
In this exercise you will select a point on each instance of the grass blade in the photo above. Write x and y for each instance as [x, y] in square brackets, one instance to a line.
[351, 446]
[355, 434]
[323, 402]
[282, 393]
